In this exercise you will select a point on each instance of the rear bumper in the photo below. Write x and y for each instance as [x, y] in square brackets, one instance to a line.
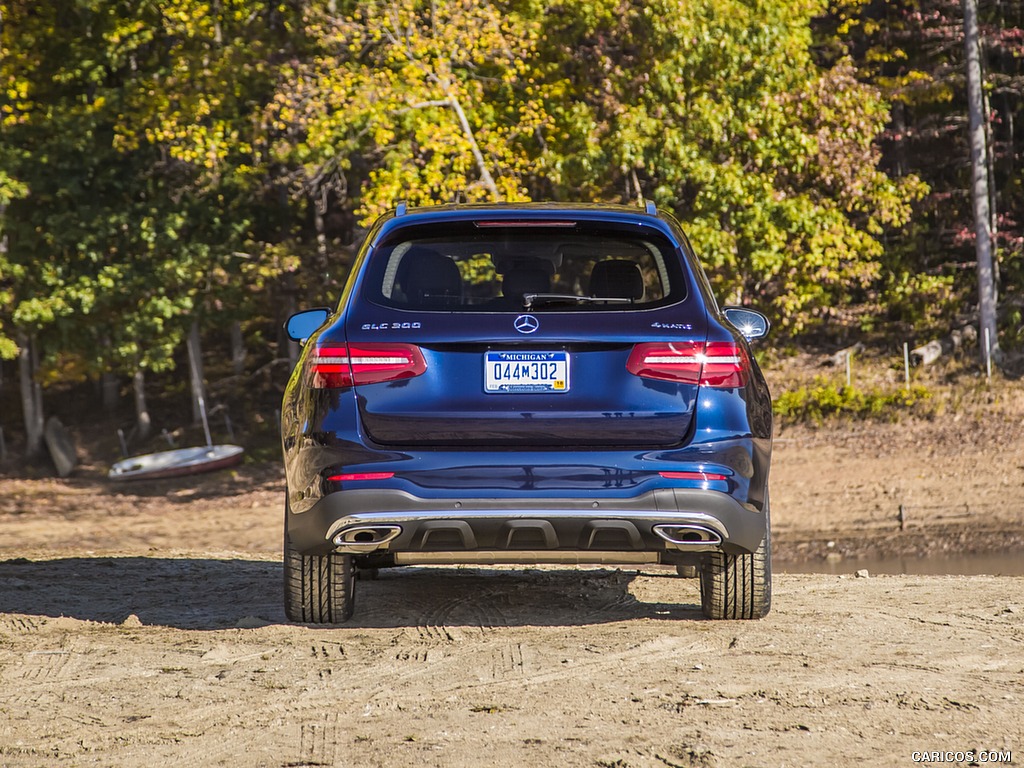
[526, 529]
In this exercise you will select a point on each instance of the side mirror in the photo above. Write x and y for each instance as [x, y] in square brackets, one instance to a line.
[751, 323]
[302, 325]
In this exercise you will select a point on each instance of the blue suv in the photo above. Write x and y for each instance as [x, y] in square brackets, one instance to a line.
[526, 384]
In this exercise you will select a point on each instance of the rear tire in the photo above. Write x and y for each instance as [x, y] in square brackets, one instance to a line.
[738, 586]
[318, 589]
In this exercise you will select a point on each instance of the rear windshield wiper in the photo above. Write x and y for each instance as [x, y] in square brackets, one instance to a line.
[531, 299]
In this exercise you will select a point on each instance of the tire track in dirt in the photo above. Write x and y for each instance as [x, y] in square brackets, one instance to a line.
[34, 674]
[21, 624]
[447, 622]
[618, 608]
[289, 721]
[44, 666]
[318, 740]
[482, 609]
[620, 662]
[511, 661]
[512, 664]
[465, 622]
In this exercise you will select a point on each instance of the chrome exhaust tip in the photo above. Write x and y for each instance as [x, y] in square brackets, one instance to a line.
[689, 537]
[365, 538]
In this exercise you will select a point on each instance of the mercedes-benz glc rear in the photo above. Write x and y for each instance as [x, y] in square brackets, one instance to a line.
[526, 384]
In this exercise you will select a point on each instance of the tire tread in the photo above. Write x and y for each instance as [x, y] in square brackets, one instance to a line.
[318, 589]
[737, 586]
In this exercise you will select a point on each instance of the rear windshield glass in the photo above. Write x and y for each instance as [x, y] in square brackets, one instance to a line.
[494, 266]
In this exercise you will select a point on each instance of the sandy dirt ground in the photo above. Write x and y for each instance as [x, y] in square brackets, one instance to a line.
[142, 626]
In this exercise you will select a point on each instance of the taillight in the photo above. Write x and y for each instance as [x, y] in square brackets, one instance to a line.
[725, 365]
[333, 366]
[716, 364]
[669, 361]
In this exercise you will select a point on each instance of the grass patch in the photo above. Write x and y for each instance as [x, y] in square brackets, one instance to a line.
[825, 399]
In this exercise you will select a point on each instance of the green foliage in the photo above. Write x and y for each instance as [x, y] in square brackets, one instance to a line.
[920, 299]
[913, 52]
[1014, 325]
[718, 111]
[825, 399]
[167, 161]
[436, 100]
[130, 129]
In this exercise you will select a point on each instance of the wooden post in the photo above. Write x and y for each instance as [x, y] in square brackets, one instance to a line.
[988, 355]
[195, 367]
[195, 363]
[906, 365]
[142, 419]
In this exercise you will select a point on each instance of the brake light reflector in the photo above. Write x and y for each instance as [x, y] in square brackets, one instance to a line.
[353, 476]
[334, 366]
[693, 476]
[717, 364]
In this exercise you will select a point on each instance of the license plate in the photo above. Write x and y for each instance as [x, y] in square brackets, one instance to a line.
[524, 372]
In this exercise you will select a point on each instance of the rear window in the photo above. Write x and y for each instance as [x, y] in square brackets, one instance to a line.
[502, 266]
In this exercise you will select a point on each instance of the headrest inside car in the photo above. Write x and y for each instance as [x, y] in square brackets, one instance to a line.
[616, 279]
[430, 279]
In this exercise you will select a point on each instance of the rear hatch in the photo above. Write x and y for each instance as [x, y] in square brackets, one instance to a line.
[571, 331]
[485, 385]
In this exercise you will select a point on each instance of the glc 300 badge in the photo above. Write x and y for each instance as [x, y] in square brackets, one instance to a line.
[526, 324]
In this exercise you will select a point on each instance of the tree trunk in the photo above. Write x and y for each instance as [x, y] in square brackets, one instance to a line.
[467, 131]
[319, 210]
[899, 124]
[987, 336]
[142, 419]
[993, 191]
[218, 32]
[111, 389]
[238, 352]
[289, 346]
[31, 397]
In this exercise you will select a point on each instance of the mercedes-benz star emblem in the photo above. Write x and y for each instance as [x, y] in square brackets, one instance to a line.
[526, 324]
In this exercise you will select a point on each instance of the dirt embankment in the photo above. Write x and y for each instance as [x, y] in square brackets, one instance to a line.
[142, 625]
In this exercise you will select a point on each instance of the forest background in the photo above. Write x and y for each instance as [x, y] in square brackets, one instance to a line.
[198, 169]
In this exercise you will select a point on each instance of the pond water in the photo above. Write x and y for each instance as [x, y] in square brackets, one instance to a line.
[989, 563]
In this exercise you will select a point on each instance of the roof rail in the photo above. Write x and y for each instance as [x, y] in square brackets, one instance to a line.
[402, 208]
[650, 207]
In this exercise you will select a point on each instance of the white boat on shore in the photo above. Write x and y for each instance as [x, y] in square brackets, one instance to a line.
[177, 463]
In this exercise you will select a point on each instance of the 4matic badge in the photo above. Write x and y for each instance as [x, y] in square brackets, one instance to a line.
[673, 326]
